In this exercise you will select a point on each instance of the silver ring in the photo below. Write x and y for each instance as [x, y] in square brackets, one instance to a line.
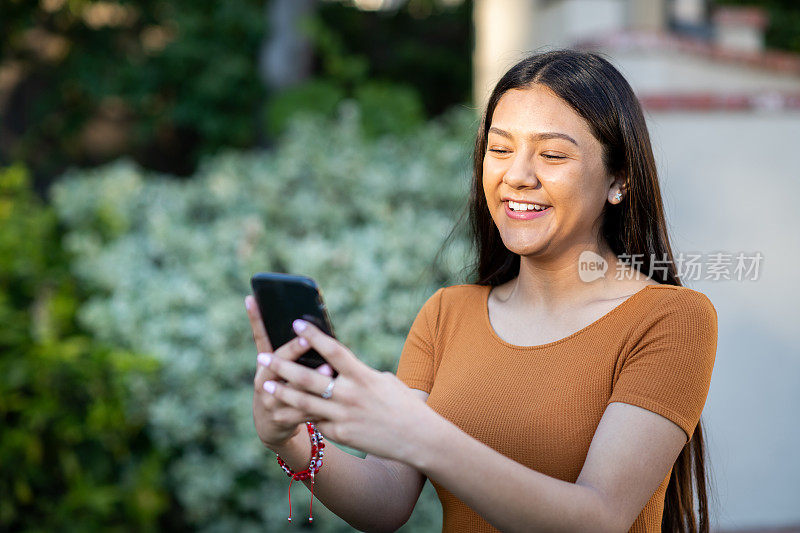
[328, 390]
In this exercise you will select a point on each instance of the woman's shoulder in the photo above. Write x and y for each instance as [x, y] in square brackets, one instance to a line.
[454, 297]
[665, 291]
[676, 304]
[680, 295]
[448, 304]
[453, 294]
[686, 297]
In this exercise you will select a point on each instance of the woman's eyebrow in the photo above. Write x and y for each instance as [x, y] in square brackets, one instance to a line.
[537, 136]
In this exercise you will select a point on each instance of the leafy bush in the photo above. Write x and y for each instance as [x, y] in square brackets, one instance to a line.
[171, 262]
[385, 107]
[73, 456]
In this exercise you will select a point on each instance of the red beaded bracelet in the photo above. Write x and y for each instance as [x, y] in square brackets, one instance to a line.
[314, 464]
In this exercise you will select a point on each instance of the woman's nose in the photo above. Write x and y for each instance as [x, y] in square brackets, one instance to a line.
[521, 173]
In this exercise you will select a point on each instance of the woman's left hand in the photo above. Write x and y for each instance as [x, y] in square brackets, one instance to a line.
[369, 410]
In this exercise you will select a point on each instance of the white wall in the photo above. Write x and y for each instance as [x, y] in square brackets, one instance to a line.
[731, 182]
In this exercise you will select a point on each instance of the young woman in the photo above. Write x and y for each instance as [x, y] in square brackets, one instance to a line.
[562, 390]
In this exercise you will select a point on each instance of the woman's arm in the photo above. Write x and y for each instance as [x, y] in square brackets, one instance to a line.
[353, 488]
[632, 451]
[347, 485]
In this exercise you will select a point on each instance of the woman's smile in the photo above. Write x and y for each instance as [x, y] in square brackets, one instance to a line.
[525, 211]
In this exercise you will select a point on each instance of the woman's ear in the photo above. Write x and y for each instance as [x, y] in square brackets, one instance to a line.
[618, 189]
[620, 183]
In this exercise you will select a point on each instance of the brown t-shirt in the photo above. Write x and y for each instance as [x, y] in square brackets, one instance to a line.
[540, 405]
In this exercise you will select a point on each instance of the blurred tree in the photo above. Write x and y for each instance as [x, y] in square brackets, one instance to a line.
[286, 53]
[403, 64]
[84, 81]
[426, 44]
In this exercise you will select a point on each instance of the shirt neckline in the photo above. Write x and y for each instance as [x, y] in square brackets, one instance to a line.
[488, 323]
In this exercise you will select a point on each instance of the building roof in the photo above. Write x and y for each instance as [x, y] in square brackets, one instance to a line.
[778, 85]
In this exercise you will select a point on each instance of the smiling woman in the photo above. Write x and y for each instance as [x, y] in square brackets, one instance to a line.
[531, 398]
[564, 129]
[540, 151]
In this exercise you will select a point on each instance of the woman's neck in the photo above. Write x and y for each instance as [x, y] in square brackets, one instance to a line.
[557, 283]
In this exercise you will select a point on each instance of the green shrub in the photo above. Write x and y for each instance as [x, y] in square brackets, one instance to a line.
[73, 456]
[363, 217]
[319, 97]
[386, 108]
[389, 108]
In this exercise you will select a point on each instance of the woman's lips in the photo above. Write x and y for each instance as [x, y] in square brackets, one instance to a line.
[525, 215]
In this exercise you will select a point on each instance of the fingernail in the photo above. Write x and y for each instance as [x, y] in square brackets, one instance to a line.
[299, 325]
[264, 359]
[247, 303]
[269, 386]
[302, 342]
[325, 369]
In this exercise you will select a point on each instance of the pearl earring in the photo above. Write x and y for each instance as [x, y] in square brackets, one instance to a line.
[618, 196]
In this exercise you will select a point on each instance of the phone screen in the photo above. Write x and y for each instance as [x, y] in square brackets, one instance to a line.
[282, 298]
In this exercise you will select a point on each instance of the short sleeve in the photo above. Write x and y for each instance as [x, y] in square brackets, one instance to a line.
[668, 369]
[416, 365]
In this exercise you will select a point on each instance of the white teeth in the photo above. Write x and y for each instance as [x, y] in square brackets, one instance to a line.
[516, 206]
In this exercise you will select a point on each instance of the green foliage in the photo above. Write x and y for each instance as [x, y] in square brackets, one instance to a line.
[316, 97]
[389, 108]
[172, 79]
[425, 45]
[385, 108]
[401, 67]
[167, 82]
[363, 216]
[72, 454]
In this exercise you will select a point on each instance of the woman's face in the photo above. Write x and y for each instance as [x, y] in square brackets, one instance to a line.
[539, 150]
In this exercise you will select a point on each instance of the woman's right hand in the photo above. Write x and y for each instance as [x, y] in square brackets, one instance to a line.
[276, 422]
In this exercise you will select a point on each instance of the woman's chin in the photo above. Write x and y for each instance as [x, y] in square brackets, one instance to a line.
[525, 247]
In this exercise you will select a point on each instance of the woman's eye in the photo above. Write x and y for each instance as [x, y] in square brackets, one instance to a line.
[553, 157]
[498, 150]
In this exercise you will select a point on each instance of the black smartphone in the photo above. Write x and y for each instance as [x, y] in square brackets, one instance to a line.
[282, 298]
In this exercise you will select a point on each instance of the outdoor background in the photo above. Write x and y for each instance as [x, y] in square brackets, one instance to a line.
[154, 154]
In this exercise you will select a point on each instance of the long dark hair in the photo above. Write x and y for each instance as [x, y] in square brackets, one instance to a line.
[598, 92]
